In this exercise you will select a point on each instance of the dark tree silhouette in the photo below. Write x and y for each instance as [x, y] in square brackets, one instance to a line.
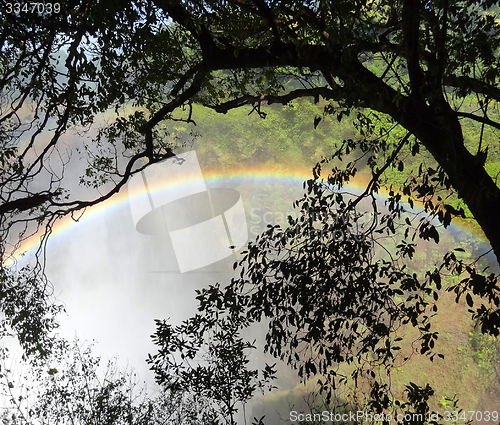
[60, 70]
[149, 59]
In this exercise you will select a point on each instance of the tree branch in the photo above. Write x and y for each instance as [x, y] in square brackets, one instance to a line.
[473, 84]
[175, 103]
[180, 15]
[411, 23]
[23, 204]
[78, 205]
[483, 120]
[269, 99]
[376, 176]
[147, 128]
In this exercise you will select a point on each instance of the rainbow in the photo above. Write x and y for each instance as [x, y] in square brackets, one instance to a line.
[270, 174]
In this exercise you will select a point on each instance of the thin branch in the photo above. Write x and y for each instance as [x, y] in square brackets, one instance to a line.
[376, 176]
[484, 120]
[473, 84]
[78, 205]
[175, 103]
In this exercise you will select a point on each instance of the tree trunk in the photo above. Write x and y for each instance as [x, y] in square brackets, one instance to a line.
[439, 130]
[441, 133]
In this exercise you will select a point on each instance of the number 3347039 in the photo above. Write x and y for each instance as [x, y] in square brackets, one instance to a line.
[38, 8]
[471, 415]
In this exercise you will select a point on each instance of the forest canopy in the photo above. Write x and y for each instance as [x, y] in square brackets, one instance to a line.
[414, 61]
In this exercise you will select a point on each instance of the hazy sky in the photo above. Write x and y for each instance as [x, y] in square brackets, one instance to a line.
[114, 281]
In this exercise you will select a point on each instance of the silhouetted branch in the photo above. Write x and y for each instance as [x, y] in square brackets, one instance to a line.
[269, 99]
[484, 120]
[464, 82]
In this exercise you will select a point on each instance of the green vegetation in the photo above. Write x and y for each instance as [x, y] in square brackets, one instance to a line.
[462, 377]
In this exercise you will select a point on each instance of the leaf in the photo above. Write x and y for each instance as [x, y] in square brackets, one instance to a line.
[415, 149]
[468, 298]
[446, 219]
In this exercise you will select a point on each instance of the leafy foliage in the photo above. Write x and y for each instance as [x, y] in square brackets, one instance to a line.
[206, 356]
[72, 386]
[29, 311]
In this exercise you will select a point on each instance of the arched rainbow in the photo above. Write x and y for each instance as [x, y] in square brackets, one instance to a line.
[213, 178]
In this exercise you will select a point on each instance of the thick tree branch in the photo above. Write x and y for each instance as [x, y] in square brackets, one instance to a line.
[472, 85]
[24, 204]
[283, 99]
[483, 120]
[411, 23]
